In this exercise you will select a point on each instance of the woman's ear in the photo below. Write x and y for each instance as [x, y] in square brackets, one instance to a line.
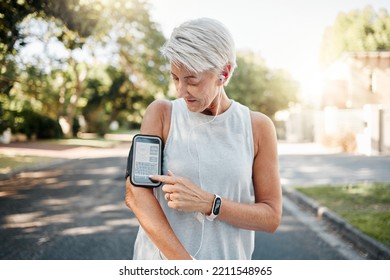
[227, 69]
[224, 76]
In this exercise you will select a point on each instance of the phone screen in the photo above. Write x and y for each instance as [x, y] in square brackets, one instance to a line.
[146, 160]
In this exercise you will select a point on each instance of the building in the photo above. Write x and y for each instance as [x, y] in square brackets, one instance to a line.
[358, 79]
[355, 107]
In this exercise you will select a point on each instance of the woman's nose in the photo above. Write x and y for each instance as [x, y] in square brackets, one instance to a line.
[181, 89]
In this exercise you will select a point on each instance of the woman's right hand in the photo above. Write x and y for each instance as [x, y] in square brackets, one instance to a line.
[183, 195]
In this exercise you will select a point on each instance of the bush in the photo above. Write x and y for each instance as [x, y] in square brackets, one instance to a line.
[31, 123]
[48, 128]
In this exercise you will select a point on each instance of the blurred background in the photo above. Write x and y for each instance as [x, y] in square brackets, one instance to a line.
[76, 77]
[82, 69]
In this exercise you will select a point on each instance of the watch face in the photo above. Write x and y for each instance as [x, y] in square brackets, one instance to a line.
[217, 206]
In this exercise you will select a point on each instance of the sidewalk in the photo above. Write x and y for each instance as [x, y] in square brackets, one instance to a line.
[59, 153]
[66, 151]
[285, 148]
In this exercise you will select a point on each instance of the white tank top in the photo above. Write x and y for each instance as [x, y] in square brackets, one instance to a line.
[217, 155]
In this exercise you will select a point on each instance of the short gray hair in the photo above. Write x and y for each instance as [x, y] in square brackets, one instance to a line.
[200, 45]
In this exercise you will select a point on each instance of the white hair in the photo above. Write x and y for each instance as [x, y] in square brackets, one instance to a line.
[200, 45]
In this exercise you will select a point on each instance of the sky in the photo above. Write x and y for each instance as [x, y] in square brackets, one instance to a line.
[286, 33]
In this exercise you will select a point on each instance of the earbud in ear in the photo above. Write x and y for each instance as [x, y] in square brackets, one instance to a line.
[221, 77]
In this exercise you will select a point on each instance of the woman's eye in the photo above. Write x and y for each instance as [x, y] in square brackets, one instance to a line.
[192, 82]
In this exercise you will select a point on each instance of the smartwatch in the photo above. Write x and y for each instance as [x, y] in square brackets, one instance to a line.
[215, 209]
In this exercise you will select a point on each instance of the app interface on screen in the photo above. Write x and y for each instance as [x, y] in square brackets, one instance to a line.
[146, 160]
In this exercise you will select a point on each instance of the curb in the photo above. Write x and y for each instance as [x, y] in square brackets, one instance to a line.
[375, 249]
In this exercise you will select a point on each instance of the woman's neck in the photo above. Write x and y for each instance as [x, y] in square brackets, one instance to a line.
[219, 105]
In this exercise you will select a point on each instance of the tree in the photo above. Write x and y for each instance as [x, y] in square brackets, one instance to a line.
[78, 21]
[358, 30]
[76, 17]
[137, 72]
[260, 88]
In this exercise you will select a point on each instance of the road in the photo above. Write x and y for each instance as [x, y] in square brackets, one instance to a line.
[75, 210]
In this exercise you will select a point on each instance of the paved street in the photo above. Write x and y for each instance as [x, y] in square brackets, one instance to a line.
[333, 169]
[75, 209]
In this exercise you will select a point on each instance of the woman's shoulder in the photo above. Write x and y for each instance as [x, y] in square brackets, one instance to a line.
[260, 120]
[263, 129]
[157, 118]
[160, 106]
[159, 109]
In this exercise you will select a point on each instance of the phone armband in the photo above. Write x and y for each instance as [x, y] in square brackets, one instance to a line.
[145, 159]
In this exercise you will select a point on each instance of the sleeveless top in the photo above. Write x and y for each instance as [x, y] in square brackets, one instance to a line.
[216, 153]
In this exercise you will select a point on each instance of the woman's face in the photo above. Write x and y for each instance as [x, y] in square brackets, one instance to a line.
[199, 90]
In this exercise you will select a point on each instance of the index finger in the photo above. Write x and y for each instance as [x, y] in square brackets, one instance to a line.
[164, 179]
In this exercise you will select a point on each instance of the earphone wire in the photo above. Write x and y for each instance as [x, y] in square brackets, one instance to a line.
[189, 151]
[202, 124]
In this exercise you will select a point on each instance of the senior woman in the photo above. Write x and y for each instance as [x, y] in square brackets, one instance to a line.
[220, 160]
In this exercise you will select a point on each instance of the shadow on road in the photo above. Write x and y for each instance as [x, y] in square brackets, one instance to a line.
[73, 212]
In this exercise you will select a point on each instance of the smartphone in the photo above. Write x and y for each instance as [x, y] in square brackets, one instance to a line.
[146, 160]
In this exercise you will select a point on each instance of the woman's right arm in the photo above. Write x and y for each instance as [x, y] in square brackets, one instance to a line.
[142, 200]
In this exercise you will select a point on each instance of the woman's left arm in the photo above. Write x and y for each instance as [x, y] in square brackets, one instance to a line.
[265, 214]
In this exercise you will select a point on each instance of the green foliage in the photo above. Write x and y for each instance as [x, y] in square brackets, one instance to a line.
[12, 12]
[8, 75]
[74, 22]
[77, 21]
[261, 88]
[358, 30]
[62, 86]
[5, 113]
[32, 124]
[139, 76]
[76, 16]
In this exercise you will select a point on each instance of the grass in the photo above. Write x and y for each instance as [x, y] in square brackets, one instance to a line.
[8, 163]
[365, 206]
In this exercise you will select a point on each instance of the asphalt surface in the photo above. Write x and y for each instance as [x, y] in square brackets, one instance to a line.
[73, 208]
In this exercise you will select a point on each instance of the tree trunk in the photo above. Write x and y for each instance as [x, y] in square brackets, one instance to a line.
[72, 107]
